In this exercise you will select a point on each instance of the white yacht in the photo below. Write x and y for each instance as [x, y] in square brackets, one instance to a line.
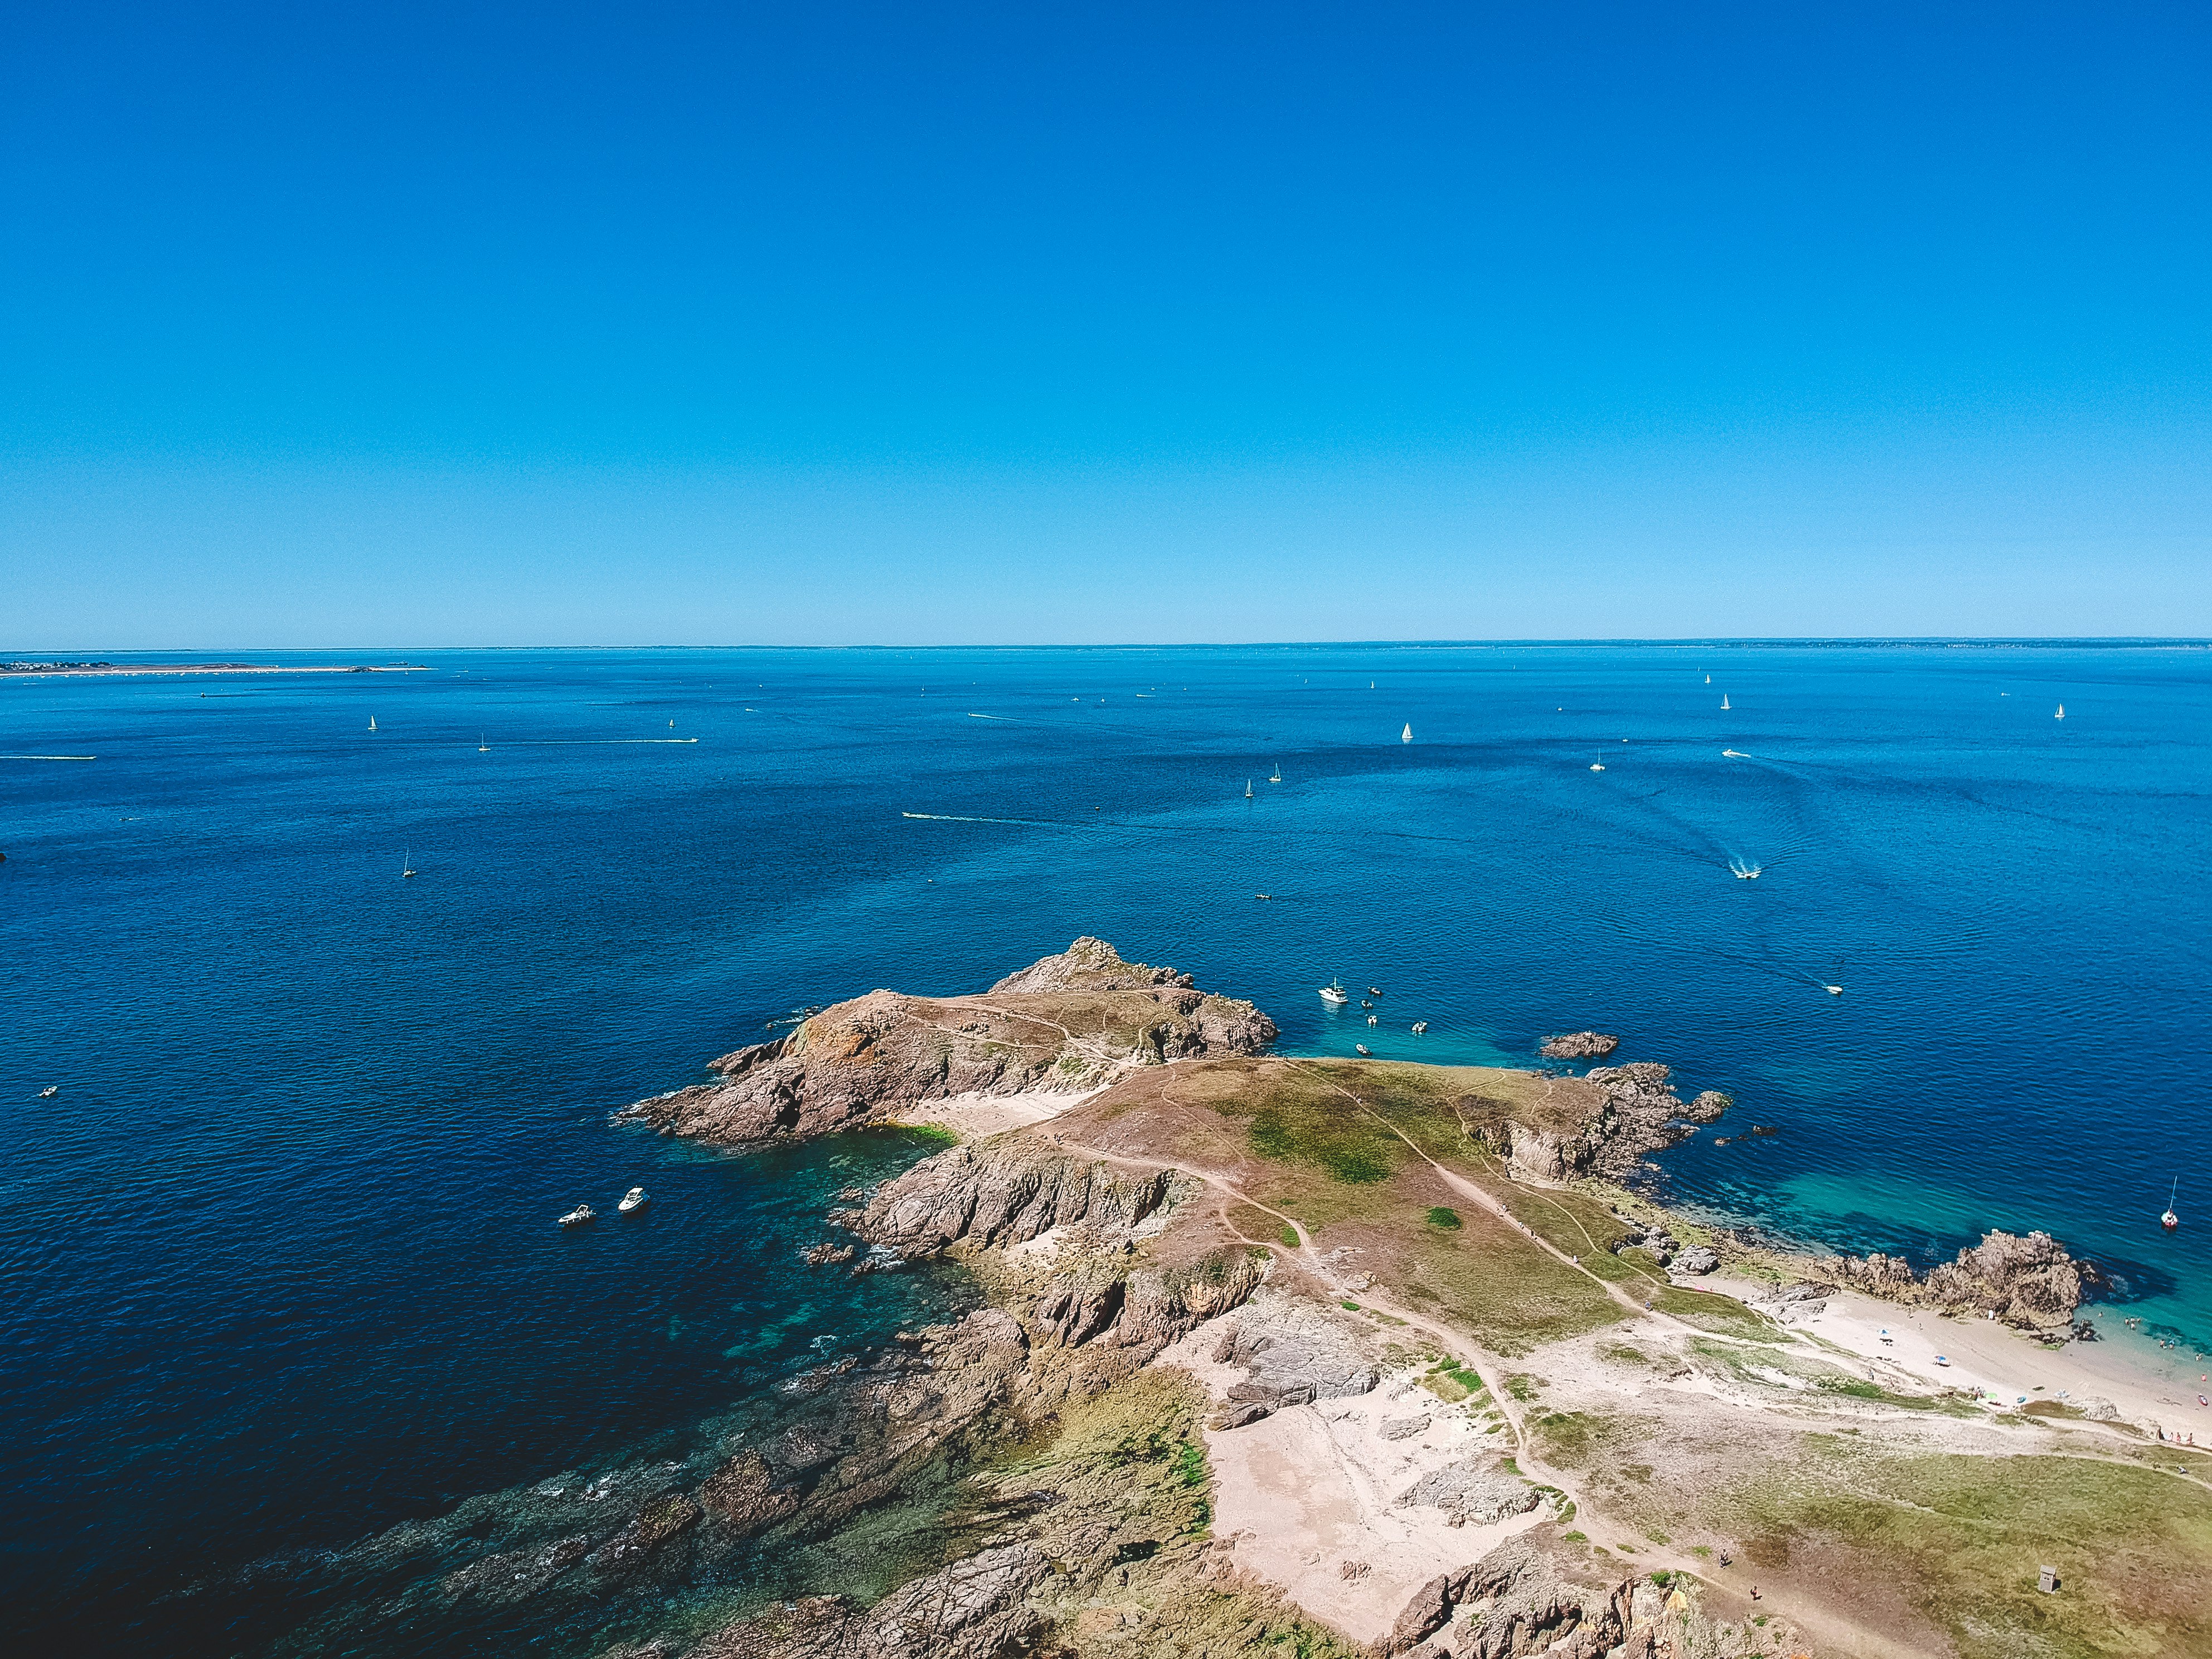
[2061, 715]
[1277, 775]
[1724, 702]
[1361, 1047]
[50, 1092]
[1733, 754]
[372, 722]
[634, 1200]
[578, 1217]
[1597, 766]
[1334, 994]
[1407, 735]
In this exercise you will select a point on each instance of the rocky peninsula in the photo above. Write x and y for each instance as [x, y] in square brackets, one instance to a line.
[1317, 1358]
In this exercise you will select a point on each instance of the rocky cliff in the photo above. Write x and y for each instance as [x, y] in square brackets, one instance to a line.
[1601, 1123]
[1070, 1022]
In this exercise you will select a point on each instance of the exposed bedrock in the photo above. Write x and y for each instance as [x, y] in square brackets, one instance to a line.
[2027, 1280]
[1601, 1123]
[1579, 1045]
[1004, 1192]
[1295, 1354]
[1069, 1022]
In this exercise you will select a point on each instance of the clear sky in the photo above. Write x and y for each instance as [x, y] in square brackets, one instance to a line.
[546, 322]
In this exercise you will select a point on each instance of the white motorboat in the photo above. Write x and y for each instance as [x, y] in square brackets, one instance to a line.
[634, 1200]
[1419, 1026]
[1374, 990]
[1361, 1047]
[50, 1092]
[578, 1217]
[1334, 994]
[1833, 990]
[1733, 754]
[1373, 1019]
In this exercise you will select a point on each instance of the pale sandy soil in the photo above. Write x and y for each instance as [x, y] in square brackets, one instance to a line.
[1302, 1492]
[2004, 1362]
[976, 1116]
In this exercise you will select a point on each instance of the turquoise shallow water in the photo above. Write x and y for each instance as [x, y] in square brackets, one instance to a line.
[280, 1267]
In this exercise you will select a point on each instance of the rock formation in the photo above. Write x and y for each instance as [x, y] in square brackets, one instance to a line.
[1069, 1022]
[2030, 1282]
[1602, 1123]
[1579, 1045]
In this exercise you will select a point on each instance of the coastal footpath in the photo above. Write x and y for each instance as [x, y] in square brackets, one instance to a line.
[1288, 1356]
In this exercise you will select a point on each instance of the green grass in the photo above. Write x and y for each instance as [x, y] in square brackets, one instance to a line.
[1289, 1235]
[1962, 1538]
[1442, 1215]
[1724, 1314]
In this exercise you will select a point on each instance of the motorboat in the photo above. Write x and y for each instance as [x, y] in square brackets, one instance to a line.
[1334, 994]
[50, 1092]
[1833, 990]
[1373, 1019]
[1419, 1026]
[1374, 990]
[1361, 1047]
[634, 1200]
[578, 1217]
[1733, 754]
[1366, 1002]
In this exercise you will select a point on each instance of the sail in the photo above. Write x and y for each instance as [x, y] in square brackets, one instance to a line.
[1407, 735]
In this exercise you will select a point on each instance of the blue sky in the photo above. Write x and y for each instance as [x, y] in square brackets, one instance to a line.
[559, 324]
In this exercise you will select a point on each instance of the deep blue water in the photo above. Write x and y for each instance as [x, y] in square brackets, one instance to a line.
[278, 1260]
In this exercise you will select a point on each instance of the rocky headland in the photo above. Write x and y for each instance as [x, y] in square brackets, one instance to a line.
[1314, 1359]
[1067, 1023]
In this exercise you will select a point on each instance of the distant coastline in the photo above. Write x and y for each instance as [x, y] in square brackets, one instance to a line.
[67, 670]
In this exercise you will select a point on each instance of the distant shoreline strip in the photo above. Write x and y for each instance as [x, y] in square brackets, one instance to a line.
[7, 758]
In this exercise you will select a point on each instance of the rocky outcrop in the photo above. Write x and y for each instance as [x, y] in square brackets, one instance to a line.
[974, 1609]
[1478, 1489]
[1006, 1191]
[1089, 964]
[1579, 1045]
[1531, 1594]
[1697, 1258]
[2028, 1281]
[1070, 1022]
[1601, 1124]
[1295, 1353]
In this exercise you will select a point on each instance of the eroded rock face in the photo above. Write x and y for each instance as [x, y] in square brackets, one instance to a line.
[1627, 1112]
[1070, 1022]
[1579, 1045]
[975, 1608]
[1004, 1192]
[1296, 1354]
[2029, 1280]
[1697, 1258]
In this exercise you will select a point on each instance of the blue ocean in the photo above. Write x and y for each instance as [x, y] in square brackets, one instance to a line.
[280, 1271]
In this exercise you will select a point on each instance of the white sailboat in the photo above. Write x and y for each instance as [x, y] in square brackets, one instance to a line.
[2061, 715]
[1248, 789]
[1708, 679]
[483, 747]
[1597, 766]
[1276, 777]
[372, 722]
[406, 865]
[1407, 735]
[2169, 1220]
[1724, 702]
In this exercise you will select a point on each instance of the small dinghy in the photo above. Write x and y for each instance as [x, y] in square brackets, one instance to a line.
[1373, 1019]
[1419, 1026]
[1361, 1047]
[634, 1200]
[1943, 1361]
[1374, 990]
[578, 1217]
